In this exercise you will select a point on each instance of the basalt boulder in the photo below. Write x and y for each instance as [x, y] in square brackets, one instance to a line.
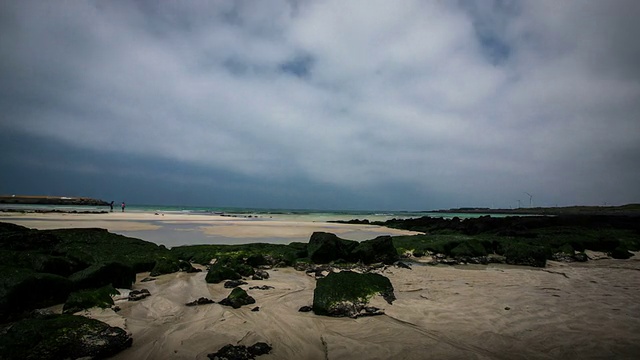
[348, 294]
[378, 250]
[98, 275]
[23, 289]
[85, 299]
[237, 298]
[51, 337]
[326, 247]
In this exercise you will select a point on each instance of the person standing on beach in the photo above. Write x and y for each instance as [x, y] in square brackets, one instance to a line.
[111, 205]
[123, 206]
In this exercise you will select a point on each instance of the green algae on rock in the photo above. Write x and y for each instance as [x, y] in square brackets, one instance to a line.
[348, 293]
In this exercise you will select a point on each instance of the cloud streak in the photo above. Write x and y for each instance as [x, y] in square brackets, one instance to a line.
[434, 104]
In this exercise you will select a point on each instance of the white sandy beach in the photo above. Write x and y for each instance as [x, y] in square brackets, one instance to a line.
[565, 311]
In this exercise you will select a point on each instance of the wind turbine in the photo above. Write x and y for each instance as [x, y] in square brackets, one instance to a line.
[530, 199]
[518, 204]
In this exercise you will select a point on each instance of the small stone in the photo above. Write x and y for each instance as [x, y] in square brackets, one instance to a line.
[507, 308]
[305, 309]
[260, 275]
[234, 283]
[257, 308]
[136, 295]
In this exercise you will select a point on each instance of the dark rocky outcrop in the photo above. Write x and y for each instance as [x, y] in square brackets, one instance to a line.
[525, 254]
[165, 265]
[169, 265]
[378, 250]
[85, 299]
[200, 301]
[620, 252]
[241, 352]
[348, 293]
[218, 273]
[23, 289]
[52, 337]
[98, 275]
[228, 268]
[237, 298]
[326, 247]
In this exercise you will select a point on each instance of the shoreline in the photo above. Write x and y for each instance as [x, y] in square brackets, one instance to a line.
[170, 229]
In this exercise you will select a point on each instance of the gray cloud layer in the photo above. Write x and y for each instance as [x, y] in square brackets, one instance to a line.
[423, 103]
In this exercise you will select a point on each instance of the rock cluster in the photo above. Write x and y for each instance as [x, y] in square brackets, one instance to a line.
[200, 301]
[241, 352]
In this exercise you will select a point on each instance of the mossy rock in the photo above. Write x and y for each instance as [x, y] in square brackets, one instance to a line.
[237, 264]
[257, 260]
[64, 336]
[23, 289]
[237, 298]
[100, 246]
[377, 250]
[325, 247]
[346, 293]
[165, 265]
[567, 249]
[95, 276]
[219, 273]
[28, 239]
[621, 252]
[520, 253]
[469, 248]
[187, 267]
[86, 299]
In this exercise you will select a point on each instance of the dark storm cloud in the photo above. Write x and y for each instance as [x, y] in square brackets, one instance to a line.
[417, 104]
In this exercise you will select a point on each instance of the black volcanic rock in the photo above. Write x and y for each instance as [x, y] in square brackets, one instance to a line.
[237, 298]
[51, 337]
[326, 247]
[241, 352]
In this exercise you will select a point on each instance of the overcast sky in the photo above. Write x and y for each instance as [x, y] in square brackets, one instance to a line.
[322, 104]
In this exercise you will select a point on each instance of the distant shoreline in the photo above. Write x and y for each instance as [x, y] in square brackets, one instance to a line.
[50, 200]
[629, 209]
